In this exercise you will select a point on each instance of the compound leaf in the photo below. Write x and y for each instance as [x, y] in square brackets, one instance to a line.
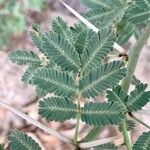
[138, 98]
[59, 50]
[57, 109]
[98, 80]
[100, 45]
[102, 114]
[52, 80]
[143, 142]
[21, 141]
[22, 57]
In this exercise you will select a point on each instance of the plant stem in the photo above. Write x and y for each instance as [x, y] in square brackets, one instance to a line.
[77, 124]
[133, 59]
[138, 120]
[134, 56]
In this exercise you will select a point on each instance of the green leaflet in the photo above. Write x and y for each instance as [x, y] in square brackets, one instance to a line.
[143, 143]
[22, 57]
[102, 114]
[103, 4]
[117, 95]
[104, 13]
[138, 12]
[124, 31]
[98, 80]
[57, 109]
[52, 80]
[58, 49]
[98, 47]
[138, 98]
[82, 40]
[130, 125]
[92, 134]
[21, 141]
[108, 146]
[29, 74]
[61, 28]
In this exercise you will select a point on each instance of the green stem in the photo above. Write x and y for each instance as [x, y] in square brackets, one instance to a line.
[134, 56]
[138, 120]
[77, 124]
[133, 59]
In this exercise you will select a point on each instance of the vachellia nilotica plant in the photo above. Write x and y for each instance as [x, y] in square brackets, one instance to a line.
[75, 69]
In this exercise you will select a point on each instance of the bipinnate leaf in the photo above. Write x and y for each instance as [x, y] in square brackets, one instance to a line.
[22, 57]
[57, 109]
[143, 142]
[54, 81]
[108, 146]
[117, 95]
[138, 98]
[102, 114]
[98, 47]
[21, 141]
[99, 79]
[56, 48]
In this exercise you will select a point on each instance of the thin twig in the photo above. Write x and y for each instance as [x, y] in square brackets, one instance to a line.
[97, 142]
[36, 123]
[139, 121]
[90, 25]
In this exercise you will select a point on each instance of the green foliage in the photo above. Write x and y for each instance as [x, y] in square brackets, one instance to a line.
[137, 99]
[52, 80]
[21, 141]
[104, 13]
[102, 114]
[98, 48]
[98, 80]
[143, 143]
[12, 17]
[93, 134]
[74, 68]
[130, 125]
[108, 146]
[22, 57]
[138, 12]
[58, 109]
[117, 95]
[58, 49]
